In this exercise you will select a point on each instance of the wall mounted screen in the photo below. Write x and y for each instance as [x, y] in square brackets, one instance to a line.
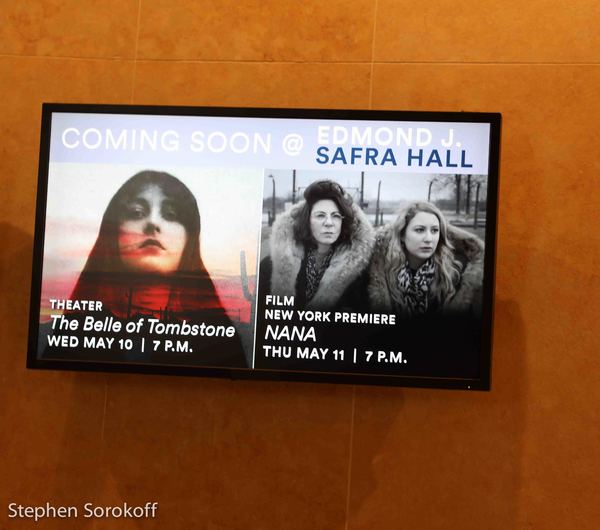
[321, 245]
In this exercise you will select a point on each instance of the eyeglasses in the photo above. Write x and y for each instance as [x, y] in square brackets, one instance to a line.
[321, 217]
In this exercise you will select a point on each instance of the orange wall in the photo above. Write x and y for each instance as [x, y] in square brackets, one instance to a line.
[218, 454]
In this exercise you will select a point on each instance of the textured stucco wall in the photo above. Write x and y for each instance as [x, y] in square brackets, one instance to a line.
[218, 454]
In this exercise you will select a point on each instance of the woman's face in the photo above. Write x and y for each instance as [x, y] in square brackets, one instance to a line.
[151, 238]
[325, 223]
[421, 238]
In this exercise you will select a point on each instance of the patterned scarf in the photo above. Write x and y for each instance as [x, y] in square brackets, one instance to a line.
[414, 285]
[315, 271]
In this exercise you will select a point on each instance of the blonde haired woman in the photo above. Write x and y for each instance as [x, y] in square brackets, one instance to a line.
[423, 266]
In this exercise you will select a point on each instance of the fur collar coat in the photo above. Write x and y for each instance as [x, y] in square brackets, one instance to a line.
[349, 261]
[469, 251]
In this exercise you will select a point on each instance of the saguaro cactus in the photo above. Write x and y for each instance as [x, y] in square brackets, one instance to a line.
[245, 288]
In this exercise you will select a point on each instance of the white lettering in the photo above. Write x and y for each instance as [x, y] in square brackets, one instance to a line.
[64, 138]
[86, 135]
[423, 136]
[370, 136]
[384, 136]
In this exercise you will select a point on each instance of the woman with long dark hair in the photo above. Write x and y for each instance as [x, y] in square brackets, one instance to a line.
[146, 264]
[147, 255]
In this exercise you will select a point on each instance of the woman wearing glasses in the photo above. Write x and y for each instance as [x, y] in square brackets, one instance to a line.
[319, 250]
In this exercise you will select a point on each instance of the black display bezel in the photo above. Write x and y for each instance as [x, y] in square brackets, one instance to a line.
[481, 383]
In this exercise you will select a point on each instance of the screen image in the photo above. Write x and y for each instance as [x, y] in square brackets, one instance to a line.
[145, 246]
[392, 285]
[338, 246]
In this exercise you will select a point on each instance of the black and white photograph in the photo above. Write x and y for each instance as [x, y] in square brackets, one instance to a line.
[409, 247]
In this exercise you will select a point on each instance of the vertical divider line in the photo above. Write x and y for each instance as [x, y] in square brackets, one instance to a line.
[350, 452]
[258, 259]
[135, 52]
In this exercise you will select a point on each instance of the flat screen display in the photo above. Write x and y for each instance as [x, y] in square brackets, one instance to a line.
[320, 245]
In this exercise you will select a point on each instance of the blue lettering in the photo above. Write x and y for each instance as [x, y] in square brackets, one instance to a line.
[370, 156]
[434, 158]
[339, 156]
[463, 162]
[448, 157]
[322, 157]
[418, 157]
[388, 156]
